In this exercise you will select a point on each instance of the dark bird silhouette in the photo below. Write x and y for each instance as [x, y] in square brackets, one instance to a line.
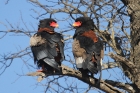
[87, 47]
[47, 46]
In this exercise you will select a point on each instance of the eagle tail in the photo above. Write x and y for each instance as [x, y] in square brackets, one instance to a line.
[52, 63]
[92, 68]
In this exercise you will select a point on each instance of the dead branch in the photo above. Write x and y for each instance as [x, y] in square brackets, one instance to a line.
[109, 65]
[66, 71]
[122, 59]
[132, 72]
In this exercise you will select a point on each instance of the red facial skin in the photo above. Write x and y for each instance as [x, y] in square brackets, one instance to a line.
[77, 24]
[54, 24]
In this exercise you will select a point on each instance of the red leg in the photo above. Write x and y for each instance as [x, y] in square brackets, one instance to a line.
[42, 70]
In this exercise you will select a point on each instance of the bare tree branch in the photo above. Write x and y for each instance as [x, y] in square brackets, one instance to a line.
[120, 35]
[109, 65]
[77, 74]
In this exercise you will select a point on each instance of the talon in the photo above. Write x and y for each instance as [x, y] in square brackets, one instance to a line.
[42, 70]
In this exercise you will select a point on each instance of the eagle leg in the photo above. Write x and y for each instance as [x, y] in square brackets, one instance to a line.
[42, 70]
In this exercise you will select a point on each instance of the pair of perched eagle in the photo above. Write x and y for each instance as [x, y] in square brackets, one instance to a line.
[47, 46]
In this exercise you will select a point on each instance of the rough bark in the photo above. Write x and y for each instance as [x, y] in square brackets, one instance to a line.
[105, 85]
[130, 67]
[133, 8]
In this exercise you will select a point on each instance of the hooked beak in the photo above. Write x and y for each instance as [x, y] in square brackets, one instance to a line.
[77, 24]
[54, 24]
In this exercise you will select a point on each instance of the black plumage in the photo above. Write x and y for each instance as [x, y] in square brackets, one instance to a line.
[47, 46]
[87, 47]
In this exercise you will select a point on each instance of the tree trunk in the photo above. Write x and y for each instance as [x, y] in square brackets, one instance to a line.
[133, 8]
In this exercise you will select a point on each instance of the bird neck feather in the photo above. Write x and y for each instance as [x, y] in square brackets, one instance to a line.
[47, 30]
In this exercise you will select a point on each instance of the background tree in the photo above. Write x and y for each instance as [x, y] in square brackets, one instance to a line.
[118, 26]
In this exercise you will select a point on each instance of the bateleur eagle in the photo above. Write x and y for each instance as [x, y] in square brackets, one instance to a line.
[87, 47]
[47, 46]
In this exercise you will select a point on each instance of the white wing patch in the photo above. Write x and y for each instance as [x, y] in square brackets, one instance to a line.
[79, 62]
[36, 40]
